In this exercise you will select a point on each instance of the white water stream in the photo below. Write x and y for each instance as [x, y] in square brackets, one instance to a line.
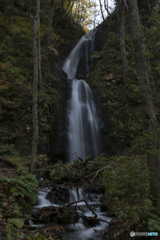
[83, 122]
[80, 230]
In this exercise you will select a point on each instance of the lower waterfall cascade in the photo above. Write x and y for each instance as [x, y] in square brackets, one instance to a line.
[79, 230]
[83, 132]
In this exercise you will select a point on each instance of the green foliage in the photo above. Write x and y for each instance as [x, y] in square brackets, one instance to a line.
[18, 222]
[42, 161]
[19, 194]
[142, 144]
[39, 236]
[47, 100]
[61, 172]
[6, 138]
[127, 193]
[22, 191]
[11, 229]
[81, 11]
[16, 72]
[7, 149]
[120, 100]
[20, 161]
[75, 172]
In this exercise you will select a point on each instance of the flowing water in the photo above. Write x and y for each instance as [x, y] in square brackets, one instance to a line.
[83, 122]
[80, 230]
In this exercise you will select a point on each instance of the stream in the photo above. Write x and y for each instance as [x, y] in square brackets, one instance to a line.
[88, 226]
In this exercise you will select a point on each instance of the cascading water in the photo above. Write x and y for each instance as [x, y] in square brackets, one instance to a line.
[83, 123]
[79, 230]
[76, 195]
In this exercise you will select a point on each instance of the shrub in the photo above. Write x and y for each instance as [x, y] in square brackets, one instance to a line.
[127, 193]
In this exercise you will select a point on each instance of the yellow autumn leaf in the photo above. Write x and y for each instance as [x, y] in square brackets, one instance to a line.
[54, 50]
[109, 76]
[55, 37]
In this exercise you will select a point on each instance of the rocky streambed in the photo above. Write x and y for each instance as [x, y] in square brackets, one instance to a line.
[73, 214]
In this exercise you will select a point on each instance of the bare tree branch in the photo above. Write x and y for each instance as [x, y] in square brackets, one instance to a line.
[83, 200]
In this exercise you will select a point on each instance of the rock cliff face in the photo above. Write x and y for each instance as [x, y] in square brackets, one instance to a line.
[119, 101]
[57, 137]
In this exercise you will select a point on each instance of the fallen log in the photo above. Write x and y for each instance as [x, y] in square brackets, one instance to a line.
[83, 200]
[97, 219]
[49, 211]
[30, 227]
[46, 212]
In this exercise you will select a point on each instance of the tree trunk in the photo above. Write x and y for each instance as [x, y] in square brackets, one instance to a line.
[144, 84]
[152, 6]
[35, 89]
[122, 41]
[39, 46]
[50, 22]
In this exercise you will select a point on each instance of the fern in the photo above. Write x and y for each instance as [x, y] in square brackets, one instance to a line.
[23, 190]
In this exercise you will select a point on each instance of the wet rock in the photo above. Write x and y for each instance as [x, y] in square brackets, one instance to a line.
[59, 70]
[58, 195]
[67, 216]
[90, 221]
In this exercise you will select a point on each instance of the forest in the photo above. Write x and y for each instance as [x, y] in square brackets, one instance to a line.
[79, 119]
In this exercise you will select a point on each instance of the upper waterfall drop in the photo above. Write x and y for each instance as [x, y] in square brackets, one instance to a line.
[83, 123]
[71, 62]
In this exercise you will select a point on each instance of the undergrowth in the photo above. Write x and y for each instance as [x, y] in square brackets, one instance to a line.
[17, 197]
[127, 195]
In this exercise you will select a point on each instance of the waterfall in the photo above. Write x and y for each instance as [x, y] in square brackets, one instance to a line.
[71, 62]
[76, 194]
[83, 123]
[42, 200]
[81, 229]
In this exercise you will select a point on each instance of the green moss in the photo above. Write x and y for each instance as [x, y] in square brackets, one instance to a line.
[120, 101]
